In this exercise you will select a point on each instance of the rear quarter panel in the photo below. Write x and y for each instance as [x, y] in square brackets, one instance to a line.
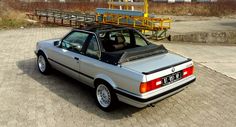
[116, 76]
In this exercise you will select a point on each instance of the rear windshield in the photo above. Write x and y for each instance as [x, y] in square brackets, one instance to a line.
[121, 40]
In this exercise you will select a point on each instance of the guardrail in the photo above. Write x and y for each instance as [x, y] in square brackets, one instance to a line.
[62, 17]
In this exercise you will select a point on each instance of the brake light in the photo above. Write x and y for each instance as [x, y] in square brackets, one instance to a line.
[188, 71]
[151, 85]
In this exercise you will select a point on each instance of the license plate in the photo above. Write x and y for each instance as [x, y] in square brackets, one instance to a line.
[172, 78]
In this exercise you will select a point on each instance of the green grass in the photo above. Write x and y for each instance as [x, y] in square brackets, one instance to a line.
[221, 8]
[14, 19]
[12, 23]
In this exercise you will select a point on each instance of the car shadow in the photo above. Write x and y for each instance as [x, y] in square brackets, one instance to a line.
[74, 92]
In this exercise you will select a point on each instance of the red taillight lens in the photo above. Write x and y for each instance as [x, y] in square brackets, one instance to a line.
[157, 83]
[188, 71]
[151, 85]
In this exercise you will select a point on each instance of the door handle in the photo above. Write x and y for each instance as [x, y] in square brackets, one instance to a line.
[76, 58]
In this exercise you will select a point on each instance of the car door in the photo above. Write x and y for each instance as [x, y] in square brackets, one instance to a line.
[66, 57]
[89, 62]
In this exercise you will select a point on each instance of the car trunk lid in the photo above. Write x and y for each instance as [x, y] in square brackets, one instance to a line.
[155, 63]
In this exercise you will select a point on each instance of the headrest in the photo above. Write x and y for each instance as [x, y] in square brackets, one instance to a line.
[119, 39]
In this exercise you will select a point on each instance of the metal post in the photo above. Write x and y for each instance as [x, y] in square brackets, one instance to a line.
[145, 8]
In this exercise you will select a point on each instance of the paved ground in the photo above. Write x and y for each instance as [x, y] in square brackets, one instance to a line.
[210, 24]
[203, 29]
[28, 98]
[217, 57]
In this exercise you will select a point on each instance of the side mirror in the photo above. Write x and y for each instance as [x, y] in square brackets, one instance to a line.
[57, 43]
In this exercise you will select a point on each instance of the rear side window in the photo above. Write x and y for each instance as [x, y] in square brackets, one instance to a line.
[139, 40]
[75, 41]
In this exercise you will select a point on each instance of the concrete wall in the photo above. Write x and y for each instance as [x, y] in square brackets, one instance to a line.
[225, 37]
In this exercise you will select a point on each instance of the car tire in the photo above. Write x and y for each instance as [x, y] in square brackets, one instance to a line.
[106, 98]
[43, 64]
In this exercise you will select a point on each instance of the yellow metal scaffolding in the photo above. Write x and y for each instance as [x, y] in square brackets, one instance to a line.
[125, 15]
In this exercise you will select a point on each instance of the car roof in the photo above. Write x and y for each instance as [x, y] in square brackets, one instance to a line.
[102, 28]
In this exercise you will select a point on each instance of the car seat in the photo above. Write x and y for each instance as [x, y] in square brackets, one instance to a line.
[119, 42]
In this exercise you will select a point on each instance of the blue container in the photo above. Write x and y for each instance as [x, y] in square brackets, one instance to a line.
[117, 11]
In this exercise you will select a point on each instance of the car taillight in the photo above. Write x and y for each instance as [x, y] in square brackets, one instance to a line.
[188, 71]
[151, 85]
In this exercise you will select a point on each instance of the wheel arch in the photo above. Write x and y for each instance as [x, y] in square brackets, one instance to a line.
[104, 78]
[40, 51]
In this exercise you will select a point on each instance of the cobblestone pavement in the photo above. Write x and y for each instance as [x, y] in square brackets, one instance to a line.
[28, 98]
[221, 58]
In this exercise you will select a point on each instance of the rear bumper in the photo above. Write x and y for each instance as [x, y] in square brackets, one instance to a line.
[142, 102]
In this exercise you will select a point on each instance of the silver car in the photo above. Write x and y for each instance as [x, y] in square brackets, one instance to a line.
[119, 63]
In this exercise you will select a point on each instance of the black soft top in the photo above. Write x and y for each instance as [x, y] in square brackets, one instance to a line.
[127, 55]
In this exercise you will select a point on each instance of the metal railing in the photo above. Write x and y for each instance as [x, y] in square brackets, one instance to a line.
[62, 17]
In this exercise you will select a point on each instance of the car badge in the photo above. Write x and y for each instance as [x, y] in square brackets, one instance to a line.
[173, 69]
